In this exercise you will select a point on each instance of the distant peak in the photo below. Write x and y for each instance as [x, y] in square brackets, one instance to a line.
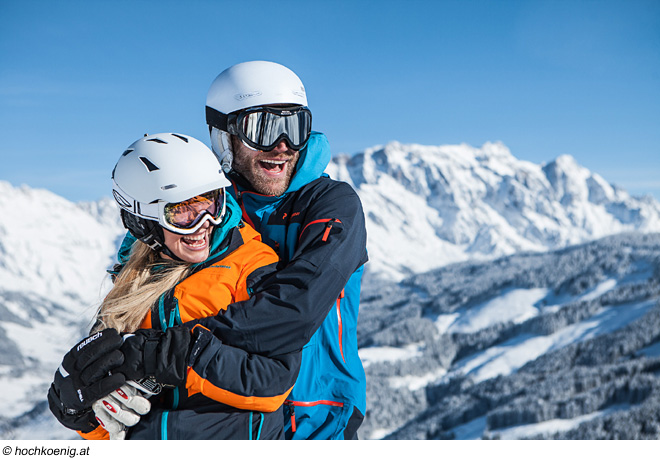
[495, 149]
[394, 145]
[566, 161]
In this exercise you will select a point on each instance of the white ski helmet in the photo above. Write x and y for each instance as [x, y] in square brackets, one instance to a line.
[159, 169]
[246, 85]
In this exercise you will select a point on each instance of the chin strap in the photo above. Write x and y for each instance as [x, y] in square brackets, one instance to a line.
[149, 232]
[169, 253]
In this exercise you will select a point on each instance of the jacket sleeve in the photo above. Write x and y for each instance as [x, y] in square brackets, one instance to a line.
[289, 305]
[226, 373]
[98, 434]
[237, 378]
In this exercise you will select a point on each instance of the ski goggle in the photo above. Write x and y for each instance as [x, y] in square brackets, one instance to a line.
[262, 128]
[188, 216]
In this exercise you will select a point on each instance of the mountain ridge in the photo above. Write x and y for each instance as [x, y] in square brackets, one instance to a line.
[423, 213]
[461, 202]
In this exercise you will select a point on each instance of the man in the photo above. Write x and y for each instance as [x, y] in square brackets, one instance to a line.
[260, 129]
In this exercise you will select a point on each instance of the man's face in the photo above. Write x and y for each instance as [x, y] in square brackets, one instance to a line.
[270, 172]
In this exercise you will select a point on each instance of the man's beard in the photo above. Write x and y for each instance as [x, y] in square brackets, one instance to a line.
[246, 163]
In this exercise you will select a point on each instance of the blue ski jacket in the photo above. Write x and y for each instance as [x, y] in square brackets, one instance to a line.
[317, 228]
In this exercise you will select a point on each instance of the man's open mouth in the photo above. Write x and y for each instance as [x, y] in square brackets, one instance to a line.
[273, 166]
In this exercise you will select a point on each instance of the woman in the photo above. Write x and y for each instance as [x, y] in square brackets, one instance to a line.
[193, 256]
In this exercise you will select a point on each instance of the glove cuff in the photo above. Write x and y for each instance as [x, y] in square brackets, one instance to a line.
[150, 353]
[201, 338]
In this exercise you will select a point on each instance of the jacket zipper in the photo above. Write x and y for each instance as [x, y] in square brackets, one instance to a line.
[339, 325]
[239, 199]
[328, 226]
[292, 408]
[174, 318]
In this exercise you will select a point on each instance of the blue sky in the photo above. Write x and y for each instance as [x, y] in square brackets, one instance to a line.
[81, 80]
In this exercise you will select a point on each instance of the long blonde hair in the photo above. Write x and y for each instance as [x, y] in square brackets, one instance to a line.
[144, 278]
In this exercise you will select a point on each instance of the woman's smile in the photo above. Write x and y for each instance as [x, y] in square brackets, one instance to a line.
[190, 248]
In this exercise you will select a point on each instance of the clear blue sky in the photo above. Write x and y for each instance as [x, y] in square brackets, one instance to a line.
[81, 80]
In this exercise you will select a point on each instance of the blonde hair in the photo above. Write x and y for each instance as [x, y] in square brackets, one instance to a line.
[144, 278]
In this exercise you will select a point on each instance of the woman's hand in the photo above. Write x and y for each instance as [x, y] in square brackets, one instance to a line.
[83, 377]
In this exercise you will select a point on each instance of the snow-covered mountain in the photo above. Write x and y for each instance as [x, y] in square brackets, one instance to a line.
[53, 257]
[53, 247]
[431, 206]
[559, 345]
[426, 207]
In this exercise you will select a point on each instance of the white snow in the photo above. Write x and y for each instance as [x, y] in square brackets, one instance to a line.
[26, 390]
[475, 429]
[53, 247]
[53, 258]
[43, 427]
[369, 355]
[429, 206]
[516, 305]
[416, 382]
[554, 425]
[509, 356]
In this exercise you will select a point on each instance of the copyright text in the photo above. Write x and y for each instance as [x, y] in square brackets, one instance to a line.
[46, 451]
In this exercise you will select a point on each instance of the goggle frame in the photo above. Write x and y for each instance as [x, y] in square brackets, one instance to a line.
[236, 121]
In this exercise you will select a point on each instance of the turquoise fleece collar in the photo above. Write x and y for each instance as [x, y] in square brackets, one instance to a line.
[314, 158]
[221, 232]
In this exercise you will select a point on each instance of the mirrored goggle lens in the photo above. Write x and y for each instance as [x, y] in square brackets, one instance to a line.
[189, 213]
[265, 129]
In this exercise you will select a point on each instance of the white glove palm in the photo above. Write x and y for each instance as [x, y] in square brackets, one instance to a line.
[121, 408]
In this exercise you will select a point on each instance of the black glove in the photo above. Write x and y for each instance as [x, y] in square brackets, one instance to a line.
[84, 420]
[83, 377]
[161, 355]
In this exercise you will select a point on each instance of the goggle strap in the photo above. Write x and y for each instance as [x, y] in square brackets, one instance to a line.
[216, 119]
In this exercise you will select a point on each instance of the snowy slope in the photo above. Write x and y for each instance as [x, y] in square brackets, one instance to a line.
[55, 248]
[549, 345]
[53, 257]
[428, 206]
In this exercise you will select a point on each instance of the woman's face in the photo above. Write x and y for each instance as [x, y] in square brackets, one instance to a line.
[192, 248]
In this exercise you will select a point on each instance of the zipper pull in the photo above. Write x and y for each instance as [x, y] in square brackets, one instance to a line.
[292, 410]
[328, 227]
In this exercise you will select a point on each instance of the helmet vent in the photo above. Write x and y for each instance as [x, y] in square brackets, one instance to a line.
[168, 187]
[184, 139]
[126, 152]
[150, 166]
[155, 139]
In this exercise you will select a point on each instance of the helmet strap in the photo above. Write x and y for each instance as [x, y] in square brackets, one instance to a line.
[221, 146]
[145, 230]
[165, 250]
